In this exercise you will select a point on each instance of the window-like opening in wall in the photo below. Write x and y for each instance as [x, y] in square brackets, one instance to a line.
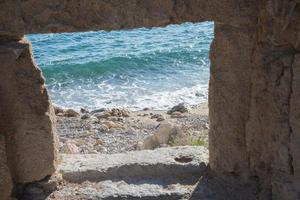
[123, 84]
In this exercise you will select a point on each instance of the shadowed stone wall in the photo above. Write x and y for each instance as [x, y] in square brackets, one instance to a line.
[254, 87]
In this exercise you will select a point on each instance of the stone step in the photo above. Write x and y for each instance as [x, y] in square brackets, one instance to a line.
[162, 163]
[164, 173]
[112, 190]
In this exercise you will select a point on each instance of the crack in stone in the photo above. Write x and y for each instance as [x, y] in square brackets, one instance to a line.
[289, 119]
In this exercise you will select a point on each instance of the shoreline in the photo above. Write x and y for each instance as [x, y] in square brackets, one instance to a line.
[120, 130]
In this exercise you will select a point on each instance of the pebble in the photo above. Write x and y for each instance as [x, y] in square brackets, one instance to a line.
[60, 114]
[71, 113]
[86, 133]
[103, 115]
[99, 142]
[93, 135]
[160, 119]
[111, 124]
[177, 115]
[84, 110]
[119, 112]
[98, 110]
[58, 110]
[156, 116]
[86, 116]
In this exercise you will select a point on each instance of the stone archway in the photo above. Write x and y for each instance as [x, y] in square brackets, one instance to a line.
[254, 109]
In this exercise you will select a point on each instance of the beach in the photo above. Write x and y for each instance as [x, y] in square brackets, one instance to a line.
[119, 130]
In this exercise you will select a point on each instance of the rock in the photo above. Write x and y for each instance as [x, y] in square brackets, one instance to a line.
[120, 119]
[51, 183]
[119, 112]
[146, 109]
[115, 119]
[71, 113]
[104, 128]
[111, 124]
[156, 116]
[84, 110]
[69, 148]
[205, 126]
[86, 116]
[86, 133]
[98, 142]
[177, 115]
[34, 190]
[178, 108]
[60, 114]
[199, 94]
[162, 135]
[100, 149]
[160, 119]
[27, 116]
[58, 110]
[98, 111]
[103, 115]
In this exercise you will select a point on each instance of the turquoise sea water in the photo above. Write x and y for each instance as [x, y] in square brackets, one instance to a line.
[155, 68]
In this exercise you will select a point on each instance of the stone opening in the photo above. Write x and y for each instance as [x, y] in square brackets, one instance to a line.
[123, 84]
[253, 100]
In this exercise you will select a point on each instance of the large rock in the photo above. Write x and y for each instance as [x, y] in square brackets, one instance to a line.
[161, 136]
[27, 118]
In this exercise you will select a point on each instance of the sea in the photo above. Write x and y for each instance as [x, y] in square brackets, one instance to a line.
[153, 68]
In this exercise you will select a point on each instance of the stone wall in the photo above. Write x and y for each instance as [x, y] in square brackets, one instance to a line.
[254, 99]
[254, 87]
[36, 16]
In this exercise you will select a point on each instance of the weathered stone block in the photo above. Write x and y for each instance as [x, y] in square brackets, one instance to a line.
[27, 117]
[229, 91]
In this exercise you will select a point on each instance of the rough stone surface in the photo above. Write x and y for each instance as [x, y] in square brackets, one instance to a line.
[161, 136]
[162, 162]
[141, 189]
[6, 184]
[166, 173]
[229, 97]
[145, 178]
[27, 117]
[35, 16]
[253, 108]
